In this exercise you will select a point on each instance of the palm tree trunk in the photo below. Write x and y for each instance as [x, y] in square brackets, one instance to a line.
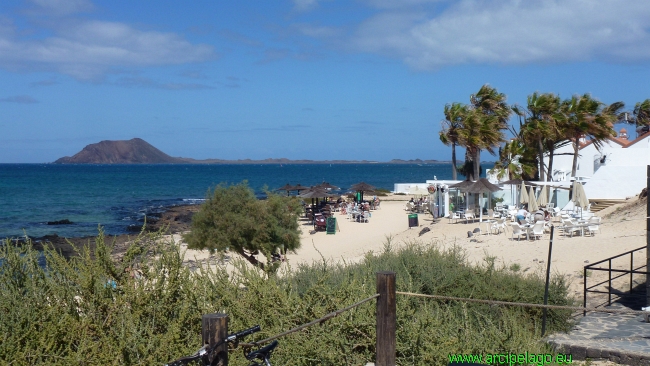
[549, 176]
[540, 152]
[576, 151]
[477, 164]
[453, 162]
[469, 160]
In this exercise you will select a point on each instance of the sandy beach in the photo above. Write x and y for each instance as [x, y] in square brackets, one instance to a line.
[622, 229]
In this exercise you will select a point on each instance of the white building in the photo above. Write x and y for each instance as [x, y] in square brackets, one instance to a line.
[617, 171]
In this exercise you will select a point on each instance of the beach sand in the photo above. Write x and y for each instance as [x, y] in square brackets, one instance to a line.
[621, 231]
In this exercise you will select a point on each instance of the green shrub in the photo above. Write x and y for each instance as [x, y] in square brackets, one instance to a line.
[71, 314]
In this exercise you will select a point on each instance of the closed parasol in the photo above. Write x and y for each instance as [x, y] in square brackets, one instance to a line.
[523, 194]
[579, 197]
[542, 200]
[532, 202]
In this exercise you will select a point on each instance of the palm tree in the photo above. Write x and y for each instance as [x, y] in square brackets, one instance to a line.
[641, 113]
[514, 159]
[541, 126]
[493, 113]
[469, 137]
[586, 117]
[454, 119]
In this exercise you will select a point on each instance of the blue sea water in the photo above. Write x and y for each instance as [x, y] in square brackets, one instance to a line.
[116, 196]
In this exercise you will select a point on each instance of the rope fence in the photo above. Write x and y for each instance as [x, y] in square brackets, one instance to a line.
[523, 304]
[215, 330]
[313, 322]
[441, 297]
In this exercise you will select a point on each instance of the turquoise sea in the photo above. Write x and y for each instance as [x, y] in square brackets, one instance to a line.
[117, 196]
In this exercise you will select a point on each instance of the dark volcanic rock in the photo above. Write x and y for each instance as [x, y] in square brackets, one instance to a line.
[134, 151]
[60, 222]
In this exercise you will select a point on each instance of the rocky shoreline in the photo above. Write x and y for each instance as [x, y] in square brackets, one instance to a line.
[175, 220]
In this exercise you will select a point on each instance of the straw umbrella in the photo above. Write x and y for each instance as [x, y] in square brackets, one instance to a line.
[327, 186]
[316, 193]
[462, 186]
[300, 188]
[482, 186]
[287, 187]
[362, 187]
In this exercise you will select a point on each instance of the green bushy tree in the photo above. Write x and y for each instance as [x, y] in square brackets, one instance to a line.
[232, 218]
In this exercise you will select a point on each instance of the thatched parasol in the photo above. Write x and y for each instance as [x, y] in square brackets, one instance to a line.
[326, 185]
[362, 187]
[287, 187]
[299, 188]
[462, 185]
[482, 186]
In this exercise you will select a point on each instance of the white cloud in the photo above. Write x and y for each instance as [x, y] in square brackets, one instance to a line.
[393, 4]
[507, 32]
[62, 7]
[88, 49]
[316, 31]
[304, 5]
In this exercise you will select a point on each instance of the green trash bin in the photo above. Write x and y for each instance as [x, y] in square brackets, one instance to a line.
[413, 220]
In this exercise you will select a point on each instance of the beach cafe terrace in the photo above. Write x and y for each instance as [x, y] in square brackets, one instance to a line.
[444, 199]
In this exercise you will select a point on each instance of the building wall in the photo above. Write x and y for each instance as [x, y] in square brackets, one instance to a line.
[614, 172]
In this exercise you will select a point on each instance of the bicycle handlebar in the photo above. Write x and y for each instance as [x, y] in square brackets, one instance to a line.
[205, 351]
[239, 335]
[263, 353]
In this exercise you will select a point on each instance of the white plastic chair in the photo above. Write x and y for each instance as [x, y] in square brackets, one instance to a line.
[454, 216]
[518, 230]
[498, 225]
[366, 216]
[469, 216]
[593, 225]
[569, 227]
[538, 229]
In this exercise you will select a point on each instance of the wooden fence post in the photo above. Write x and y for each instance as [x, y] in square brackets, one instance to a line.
[214, 328]
[386, 319]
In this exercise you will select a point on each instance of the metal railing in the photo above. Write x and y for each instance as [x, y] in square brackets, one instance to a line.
[621, 273]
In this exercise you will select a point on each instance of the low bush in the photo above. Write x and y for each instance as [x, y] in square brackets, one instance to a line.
[94, 310]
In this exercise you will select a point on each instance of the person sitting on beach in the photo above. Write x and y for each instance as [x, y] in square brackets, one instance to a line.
[521, 216]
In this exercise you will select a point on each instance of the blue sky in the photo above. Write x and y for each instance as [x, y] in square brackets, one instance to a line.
[301, 79]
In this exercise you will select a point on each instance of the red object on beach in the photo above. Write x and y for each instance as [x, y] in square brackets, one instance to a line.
[320, 222]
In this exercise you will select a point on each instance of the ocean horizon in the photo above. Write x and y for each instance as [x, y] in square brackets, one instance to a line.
[118, 196]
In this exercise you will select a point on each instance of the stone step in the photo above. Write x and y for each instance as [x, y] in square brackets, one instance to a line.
[619, 338]
[601, 204]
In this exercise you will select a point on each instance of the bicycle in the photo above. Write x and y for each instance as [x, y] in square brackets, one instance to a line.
[207, 356]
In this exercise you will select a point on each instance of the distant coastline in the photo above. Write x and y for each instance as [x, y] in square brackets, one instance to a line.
[138, 151]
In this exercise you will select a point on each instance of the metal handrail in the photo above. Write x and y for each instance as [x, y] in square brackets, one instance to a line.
[616, 256]
[609, 270]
